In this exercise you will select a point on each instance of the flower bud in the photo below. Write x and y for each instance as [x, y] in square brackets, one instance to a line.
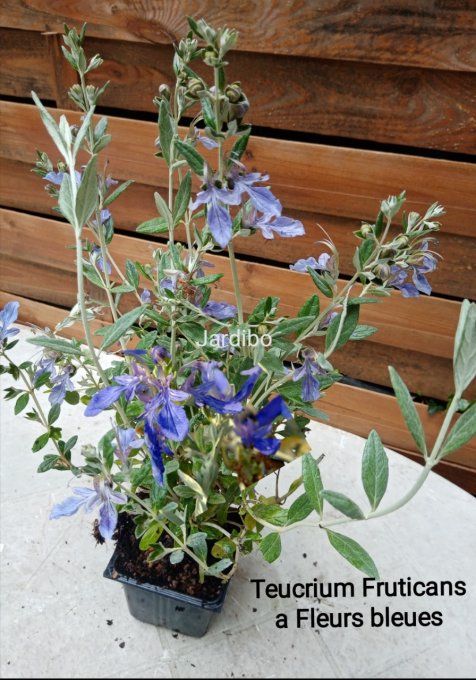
[382, 271]
[164, 91]
[234, 93]
[401, 241]
[194, 87]
[366, 230]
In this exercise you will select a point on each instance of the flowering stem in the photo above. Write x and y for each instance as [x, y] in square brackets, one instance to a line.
[236, 281]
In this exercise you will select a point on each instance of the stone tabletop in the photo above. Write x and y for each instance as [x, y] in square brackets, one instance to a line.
[61, 618]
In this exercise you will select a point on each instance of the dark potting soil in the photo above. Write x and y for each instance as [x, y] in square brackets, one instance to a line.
[183, 577]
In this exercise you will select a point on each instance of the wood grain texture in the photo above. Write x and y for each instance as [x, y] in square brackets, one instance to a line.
[339, 402]
[22, 190]
[425, 33]
[416, 324]
[312, 177]
[389, 104]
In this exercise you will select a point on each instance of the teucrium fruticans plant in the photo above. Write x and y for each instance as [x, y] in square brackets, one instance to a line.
[197, 422]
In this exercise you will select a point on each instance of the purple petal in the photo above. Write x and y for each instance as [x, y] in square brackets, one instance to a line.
[104, 399]
[263, 200]
[107, 519]
[219, 221]
[220, 310]
[173, 421]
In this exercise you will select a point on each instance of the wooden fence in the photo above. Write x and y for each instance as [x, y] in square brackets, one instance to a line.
[353, 101]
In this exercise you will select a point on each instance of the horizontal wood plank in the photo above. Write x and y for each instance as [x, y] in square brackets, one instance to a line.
[22, 190]
[312, 177]
[388, 104]
[409, 32]
[349, 408]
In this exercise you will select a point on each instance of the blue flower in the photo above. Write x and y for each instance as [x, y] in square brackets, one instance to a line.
[425, 264]
[220, 310]
[308, 372]
[8, 315]
[127, 440]
[139, 384]
[88, 499]
[61, 384]
[217, 393]
[320, 264]
[255, 429]
[145, 296]
[45, 365]
[157, 446]
[261, 197]
[207, 142]
[164, 411]
[97, 258]
[104, 215]
[57, 177]
[270, 224]
[218, 217]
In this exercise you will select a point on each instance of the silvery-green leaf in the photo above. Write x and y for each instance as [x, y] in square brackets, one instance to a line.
[198, 543]
[56, 344]
[464, 358]
[300, 509]
[51, 127]
[270, 546]
[157, 225]
[117, 192]
[116, 331]
[177, 556]
[344, 504]
[374, 470]
[273, 514]
[65, 200]
[463, 430]
[191, 155]
[311, 477]
[362, 331]
[87, 196]
[219, 567]
[348, 327]
[353, 553]
[408, 409]
[163, 209]
[82, 132]
[166, 133]
[182, 198]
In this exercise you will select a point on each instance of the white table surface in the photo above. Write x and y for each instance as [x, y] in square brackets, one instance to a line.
[55, 604]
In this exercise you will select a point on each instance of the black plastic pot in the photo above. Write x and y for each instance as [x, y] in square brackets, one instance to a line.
[163, 607]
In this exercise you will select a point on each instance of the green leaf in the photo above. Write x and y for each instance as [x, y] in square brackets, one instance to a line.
[198, 543]
[87, 196]
[273, 514]
[48, 463]
[344, 504]
[219, 567]
[464, 357]
[163, 209]
[166, 132]
[191, 155]
[362, 331]
[132, 274]
[239, 147]
[408, 409]
[177, 556]
[353, 553]
[300, 509]
[288, 326]
[54, 414]
[312, 481]
[157, 225]
[82, 132]
[374, 469]
[65, 200]
[310, 307]
[117, 192]
[321, 283]
[151, 536]
[270, 546]
[348, 327]
[40, 442]
[21, 403]
[208, 112]
[463, 430]
[182, 198]
[114, 332]
[56, 344]
[365, 250]
[51, 127]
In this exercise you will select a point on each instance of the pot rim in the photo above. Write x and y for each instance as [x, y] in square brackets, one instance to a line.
[213, 605]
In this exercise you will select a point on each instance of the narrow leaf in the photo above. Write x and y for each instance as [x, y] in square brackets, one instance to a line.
[65, 200]
[270, 546]
[312, 482]
[56, 344]
[191, 155]
[408, 409]
[114, 332]
[117, 192]
[374, 469]
[182, 198]
[344, 504]
[462, 432]
[353, 553]
[300, 509]
[87, 197]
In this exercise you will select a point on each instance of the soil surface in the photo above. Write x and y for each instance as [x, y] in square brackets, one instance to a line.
[183, 577]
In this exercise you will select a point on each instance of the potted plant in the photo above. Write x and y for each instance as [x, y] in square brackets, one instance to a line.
[204, 402]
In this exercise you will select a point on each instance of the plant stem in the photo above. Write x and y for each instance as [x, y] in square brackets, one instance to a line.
[236, 281]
